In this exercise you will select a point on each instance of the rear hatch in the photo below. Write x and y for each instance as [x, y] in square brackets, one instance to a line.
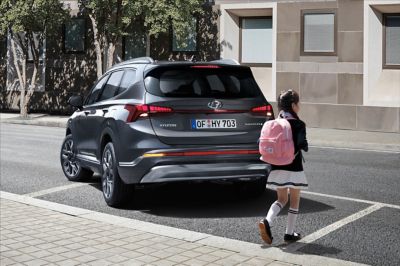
[197, 104]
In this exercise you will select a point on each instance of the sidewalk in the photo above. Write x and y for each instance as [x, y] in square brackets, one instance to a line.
[320, 137]
[38, 232]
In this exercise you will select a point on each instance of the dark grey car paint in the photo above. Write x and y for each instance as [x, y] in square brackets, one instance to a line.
[106, 120]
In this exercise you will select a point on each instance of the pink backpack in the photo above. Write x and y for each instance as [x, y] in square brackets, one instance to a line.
[276, 142]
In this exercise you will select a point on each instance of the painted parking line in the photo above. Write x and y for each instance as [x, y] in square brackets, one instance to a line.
[54, 189]
[351, 199]
[332, 227]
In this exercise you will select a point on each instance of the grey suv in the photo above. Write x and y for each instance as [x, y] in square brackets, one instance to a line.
[148, 122]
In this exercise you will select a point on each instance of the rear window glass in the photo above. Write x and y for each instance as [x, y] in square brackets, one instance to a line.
[224, 82]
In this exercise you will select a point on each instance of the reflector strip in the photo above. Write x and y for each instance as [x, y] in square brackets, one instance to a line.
[201, 153]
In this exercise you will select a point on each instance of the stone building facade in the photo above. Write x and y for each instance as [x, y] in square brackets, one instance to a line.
[342, 56]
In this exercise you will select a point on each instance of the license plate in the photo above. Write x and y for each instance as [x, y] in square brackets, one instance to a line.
[213, 123]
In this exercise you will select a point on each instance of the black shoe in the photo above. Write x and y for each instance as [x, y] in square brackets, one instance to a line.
[292, 238]
[265, 231]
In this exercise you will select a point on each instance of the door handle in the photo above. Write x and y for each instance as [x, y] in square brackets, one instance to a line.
[86, 112]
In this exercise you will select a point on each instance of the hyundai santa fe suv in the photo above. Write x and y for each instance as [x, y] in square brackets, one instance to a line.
[147, 122]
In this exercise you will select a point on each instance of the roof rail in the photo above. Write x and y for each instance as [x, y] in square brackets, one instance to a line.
[139, 60]
[227, 61]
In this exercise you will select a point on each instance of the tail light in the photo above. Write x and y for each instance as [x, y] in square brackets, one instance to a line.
[263, 110]
[143, 110]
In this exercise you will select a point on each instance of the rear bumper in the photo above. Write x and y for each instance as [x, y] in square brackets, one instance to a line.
[190, 168]
[216, 171]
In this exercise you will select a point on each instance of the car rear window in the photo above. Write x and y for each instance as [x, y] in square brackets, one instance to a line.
[193, 82]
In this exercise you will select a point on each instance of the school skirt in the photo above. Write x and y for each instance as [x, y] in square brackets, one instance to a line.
[287, 179]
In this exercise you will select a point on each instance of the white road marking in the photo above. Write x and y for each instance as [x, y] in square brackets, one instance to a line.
[54, 189]
[351, 199]
[353, 149]
[333, 227]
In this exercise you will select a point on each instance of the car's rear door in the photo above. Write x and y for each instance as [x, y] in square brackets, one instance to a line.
[206, 104]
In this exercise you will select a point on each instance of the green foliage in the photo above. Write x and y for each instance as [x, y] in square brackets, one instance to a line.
[39, 16]
[155, 16]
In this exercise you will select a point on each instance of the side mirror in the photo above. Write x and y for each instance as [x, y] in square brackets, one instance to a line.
[76, 101]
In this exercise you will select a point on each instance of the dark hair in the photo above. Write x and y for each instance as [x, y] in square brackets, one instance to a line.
[285, 101]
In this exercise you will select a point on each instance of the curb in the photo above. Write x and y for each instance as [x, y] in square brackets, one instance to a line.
[246, 248]
[35, 123]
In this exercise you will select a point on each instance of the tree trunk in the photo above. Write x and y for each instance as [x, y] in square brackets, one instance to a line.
[31, 88]
[21, 77]
[110, 55]
[148, 44]
[97, 47]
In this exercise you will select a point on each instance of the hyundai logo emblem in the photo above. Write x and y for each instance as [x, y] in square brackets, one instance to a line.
[215, 104]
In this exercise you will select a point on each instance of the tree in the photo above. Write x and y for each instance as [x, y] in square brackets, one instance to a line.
[28, 22]
[111, 21]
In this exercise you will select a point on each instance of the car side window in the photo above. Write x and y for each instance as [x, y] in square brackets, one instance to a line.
[111, 88]
[127, 81]
[96, 91]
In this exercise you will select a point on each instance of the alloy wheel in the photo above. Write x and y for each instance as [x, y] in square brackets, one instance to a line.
[108, 174]
[70, 166]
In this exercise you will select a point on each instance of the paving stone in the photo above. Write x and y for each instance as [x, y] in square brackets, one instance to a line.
[100, 262]
[23, 258]
[146, 250]
[163, 263]
[85, 258]
[117, 259]
[4, 248]
[162, 254]
[53, 258]
[11, 253]
[195, 262]
[205, 250]
[29, 249]
[207, 258]
[222, 253]
[133, 262]
[17, 245]
[191, 254]
[279, 263]
[35, 262]
[178, 258]
[88, 250]
[147, 258]
[257, 262]
[41, 254]
[71, 254]
[7, 261]
[134, 254]
[68, 262]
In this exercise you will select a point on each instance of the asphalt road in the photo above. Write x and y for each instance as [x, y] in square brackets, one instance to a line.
[29, 162]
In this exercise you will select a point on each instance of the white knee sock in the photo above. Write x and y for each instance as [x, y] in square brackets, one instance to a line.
[291, 220]
[274, 210]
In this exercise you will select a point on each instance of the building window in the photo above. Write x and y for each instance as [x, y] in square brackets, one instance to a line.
[74, 35]
[135, 45]
[188, 42]
[391, 41]
[256, 41]
[319, 31]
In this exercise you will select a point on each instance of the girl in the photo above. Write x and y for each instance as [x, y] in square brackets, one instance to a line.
[287, 178]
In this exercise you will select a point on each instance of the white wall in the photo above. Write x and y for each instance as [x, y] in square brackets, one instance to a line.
[229, 39]
[381, 86]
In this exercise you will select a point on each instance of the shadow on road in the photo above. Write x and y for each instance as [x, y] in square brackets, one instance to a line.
[207, 200]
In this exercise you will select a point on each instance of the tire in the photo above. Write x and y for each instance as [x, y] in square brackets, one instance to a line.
[71, 168]
[116, 193]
